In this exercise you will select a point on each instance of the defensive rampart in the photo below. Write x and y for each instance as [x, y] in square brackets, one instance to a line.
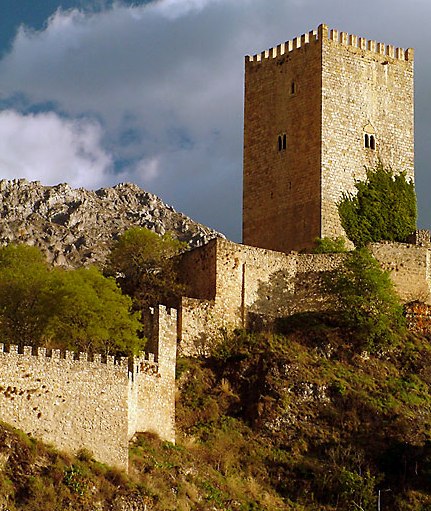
[98, 404]
[247, 283]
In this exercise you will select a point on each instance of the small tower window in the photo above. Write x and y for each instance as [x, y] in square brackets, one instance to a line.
[293, 88]
[367, 140]
[370, 141]
[369, 137]
[282, 142]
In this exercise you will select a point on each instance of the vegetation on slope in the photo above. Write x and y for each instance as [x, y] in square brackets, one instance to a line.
[300, 421]
[326, 415]
[367, 302]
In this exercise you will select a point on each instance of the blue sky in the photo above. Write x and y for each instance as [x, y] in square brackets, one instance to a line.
[97, 92]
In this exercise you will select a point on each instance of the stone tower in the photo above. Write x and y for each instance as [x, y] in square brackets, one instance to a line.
[318, 110]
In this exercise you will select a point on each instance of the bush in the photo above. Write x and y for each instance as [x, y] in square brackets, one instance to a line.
[384, 208]
[329, 245]
[368, 302]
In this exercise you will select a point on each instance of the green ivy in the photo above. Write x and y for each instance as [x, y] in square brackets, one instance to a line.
[384, 208]
[330, 246]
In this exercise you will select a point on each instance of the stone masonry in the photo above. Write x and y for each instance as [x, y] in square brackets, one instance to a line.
[318, 110]
[99, 404]
[232, 285]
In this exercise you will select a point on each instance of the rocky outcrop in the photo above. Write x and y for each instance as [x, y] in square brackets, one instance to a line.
[76, 227]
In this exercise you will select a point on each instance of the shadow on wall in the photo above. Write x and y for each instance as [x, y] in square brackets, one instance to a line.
[277, 298]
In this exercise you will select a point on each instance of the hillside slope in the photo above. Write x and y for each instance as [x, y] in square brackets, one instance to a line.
[294, 422]
[74, 227]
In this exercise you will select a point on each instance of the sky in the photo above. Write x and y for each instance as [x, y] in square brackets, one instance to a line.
[96, 92]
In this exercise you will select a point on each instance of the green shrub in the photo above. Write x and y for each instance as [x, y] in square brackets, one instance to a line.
[368, 303]
[329, 245]
[384, 208]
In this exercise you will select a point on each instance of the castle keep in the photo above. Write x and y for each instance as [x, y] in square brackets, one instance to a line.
[318, 109]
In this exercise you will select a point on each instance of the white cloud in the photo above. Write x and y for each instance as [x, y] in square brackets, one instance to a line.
[147, 169]
[175, 8]
[50, 149]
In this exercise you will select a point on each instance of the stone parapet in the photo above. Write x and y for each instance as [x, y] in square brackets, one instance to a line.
[323, 32]
[91, 401]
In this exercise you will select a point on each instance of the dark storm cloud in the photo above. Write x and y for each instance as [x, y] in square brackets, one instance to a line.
[164, 83]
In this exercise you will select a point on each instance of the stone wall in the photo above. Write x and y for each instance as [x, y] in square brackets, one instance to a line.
[70, 403]
[409, 266]
[94, 404]
[197, 326]
[256, 283]
[198, 271]
[156, 382]
[249, 282]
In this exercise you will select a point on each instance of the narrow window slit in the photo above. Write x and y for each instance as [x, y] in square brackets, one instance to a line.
[367, 141]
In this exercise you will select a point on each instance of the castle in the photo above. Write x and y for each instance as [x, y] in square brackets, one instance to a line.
[317, 110]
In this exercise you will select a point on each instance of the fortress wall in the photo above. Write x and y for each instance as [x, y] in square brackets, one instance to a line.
[72, 404]
[197, 326]
[269, 283]
[318, 262]
[156, 381]
[245, 281]
[91, 404]
[309, 293]
[409, 266]
[254, 285]
[367, 87]
[198, 271]
[245, 272]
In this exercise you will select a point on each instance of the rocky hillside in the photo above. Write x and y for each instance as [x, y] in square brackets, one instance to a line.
[75, 226]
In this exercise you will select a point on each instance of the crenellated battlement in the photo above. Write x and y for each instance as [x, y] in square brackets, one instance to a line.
[286, 47]
[132, 365]
[324, 33]
[84, 400]
[362, 43]
[73, 356]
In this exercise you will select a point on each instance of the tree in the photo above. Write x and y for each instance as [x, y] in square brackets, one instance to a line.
[92, 314]
[384, 208]
[146, 268]
[77, 309]
[26, 301]
[367, 300]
